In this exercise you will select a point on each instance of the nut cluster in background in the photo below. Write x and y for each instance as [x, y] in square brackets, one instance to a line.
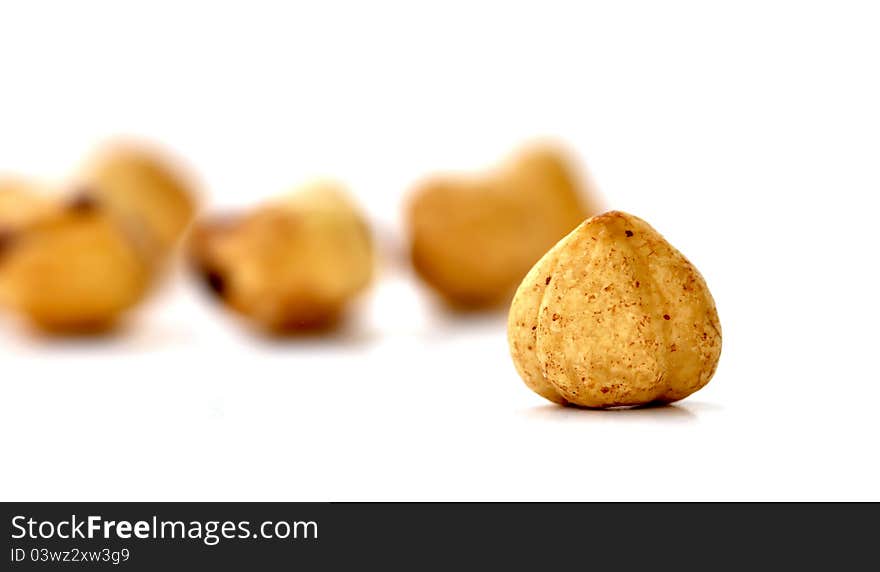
[76, 258]
[610, 314]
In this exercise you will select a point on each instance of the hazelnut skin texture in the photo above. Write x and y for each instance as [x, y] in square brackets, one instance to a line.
[614, 315]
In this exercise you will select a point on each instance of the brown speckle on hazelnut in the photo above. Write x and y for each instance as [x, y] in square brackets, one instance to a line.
[82, 201]
[214, 281]
[7, 239]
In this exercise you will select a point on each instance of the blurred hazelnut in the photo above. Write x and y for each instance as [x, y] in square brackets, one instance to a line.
[72, 269]
[76, 261]
[473, 238]
[290, 264]
[144, 187]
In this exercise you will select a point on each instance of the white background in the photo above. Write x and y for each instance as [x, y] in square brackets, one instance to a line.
[747, 132]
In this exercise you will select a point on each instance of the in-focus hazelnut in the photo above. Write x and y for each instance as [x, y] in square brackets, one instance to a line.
[613, 315]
